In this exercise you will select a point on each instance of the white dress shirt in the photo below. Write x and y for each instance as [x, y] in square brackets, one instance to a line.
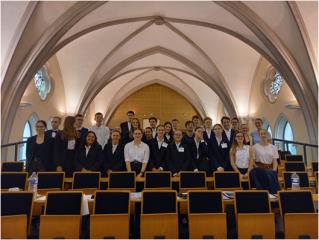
[208, 131]
[154, 132]
[159, 142]
[136, 152]
[228, 133]
[102, 133]
[114, 148]
[87, 149]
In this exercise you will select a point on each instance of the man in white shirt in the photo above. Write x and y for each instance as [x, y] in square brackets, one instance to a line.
[136, 154]
[102, 132]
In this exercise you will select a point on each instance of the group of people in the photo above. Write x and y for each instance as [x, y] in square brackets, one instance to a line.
[225, 146]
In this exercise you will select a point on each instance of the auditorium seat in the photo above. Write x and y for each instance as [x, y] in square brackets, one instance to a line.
[295, 166]
[298, 212]
[206, 215]
[253, 214]
[158, 180]
[62, 215]
[13, 180]
[292, 158]
[12, 166]
[122, 180]
[50, 181]
[159, 217]
[227, 181]
[16, 214]
[111, 215]
[88, 182]
[192, 180]
[303, 179]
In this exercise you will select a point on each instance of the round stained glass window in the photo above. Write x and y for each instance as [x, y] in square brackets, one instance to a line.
[42, 82]
[272, 85]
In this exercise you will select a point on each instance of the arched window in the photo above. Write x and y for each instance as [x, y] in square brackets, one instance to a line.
[284, 131]
[288, 135]
[267, 126]
[28, 131]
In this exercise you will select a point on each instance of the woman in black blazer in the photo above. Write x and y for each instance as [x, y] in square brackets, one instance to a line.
[88, 156]
[219, 150]
[169, 133]
[178, 156]
[113, 154]
[39, 150]
[158, 149]
[201, 160]
[66, 143]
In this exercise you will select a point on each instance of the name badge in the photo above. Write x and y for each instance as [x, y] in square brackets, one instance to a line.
[53, 134]
[202, 141]
[164, 144]
[181, 149]
[224, 145]
[71, 144]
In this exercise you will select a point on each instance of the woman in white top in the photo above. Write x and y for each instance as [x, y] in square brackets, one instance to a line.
[241, 156]
[265, 155]
[136, 154]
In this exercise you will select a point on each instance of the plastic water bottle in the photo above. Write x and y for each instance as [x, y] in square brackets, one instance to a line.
[33, 183]
[295, 181]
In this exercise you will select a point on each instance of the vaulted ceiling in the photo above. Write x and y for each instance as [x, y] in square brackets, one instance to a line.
[207, 51]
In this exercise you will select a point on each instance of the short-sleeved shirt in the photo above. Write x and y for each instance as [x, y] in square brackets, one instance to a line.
[255, 137]
[136, 152]
[242, 157]
[265, 153]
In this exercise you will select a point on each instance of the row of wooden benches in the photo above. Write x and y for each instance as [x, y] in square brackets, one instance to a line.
[159, 214]
[128, 180]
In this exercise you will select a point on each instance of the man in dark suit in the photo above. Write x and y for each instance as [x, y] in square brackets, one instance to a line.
[78, 125]
[153, 124]
[200, 154]
[178, 155]
[208, 133]
[55, 123]
[113, 154]
[189, 134]
[228, 132]
[126, 127]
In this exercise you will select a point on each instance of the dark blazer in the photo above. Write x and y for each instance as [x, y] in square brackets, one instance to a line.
[125, 135]
[219, 155]
[206, 138]
[82, 132]
[92, 162]
[148, 142]
[168, 140]
[157, 155]
[203, 162]
[178, 161]
[40, 156]
[186, 139]
[64, 157]
[113, 161]
[48, 133]
[232, 136]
